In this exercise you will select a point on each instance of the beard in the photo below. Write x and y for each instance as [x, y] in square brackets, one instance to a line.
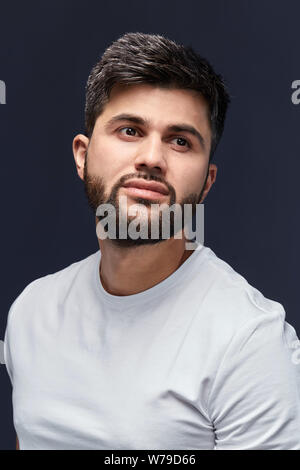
[94, 188]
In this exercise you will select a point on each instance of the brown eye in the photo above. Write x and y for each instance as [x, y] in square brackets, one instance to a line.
[182, 142]
[131, 129]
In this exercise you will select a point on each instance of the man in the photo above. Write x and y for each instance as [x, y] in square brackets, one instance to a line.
[147, 344]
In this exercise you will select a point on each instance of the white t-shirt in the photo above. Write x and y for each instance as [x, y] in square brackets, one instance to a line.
[201, 360]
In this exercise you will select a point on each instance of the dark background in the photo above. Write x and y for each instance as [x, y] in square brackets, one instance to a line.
[47, 49]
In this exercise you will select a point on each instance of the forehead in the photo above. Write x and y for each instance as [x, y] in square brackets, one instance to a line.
[158, 104]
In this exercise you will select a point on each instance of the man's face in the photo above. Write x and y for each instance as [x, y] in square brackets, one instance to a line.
[165, 137]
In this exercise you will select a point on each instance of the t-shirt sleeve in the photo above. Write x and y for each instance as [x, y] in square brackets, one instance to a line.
[7, 344]
[254, 402]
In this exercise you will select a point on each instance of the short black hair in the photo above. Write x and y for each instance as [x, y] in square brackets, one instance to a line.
[137, 58]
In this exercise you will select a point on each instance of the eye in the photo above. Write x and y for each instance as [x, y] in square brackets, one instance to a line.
[131, 129]
[182, 142]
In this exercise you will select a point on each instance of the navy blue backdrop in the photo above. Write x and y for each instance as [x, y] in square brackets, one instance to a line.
[47, 49]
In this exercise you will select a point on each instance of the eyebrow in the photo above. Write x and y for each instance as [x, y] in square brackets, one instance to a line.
[179, 127]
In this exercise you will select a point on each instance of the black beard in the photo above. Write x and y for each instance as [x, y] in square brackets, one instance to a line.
[95, 192]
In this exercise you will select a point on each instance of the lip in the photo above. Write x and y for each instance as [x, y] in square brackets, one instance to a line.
[148, 186]
[144, 193]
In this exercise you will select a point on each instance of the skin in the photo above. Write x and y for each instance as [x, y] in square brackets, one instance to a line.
[113, 153]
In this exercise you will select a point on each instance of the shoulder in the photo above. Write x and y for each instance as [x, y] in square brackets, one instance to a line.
[233, 308]
[49, 287]
[38, 303]
[234, 295]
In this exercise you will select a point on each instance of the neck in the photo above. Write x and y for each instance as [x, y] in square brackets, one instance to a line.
[128, 271]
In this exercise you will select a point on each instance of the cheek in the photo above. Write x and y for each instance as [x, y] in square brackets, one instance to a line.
[190, 179]
[109, 158]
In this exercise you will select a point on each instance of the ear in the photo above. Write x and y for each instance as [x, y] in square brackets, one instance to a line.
[211, 178]
[80, 148]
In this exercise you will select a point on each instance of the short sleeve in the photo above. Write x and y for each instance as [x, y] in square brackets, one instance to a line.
[7, 345]
[254, 402]
[10, 344]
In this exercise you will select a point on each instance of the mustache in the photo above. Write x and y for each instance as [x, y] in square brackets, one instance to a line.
[143, 176]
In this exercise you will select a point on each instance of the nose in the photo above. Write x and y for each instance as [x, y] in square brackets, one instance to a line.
[151, 155]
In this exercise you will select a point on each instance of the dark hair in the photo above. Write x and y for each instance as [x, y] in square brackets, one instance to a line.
[153, 59]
